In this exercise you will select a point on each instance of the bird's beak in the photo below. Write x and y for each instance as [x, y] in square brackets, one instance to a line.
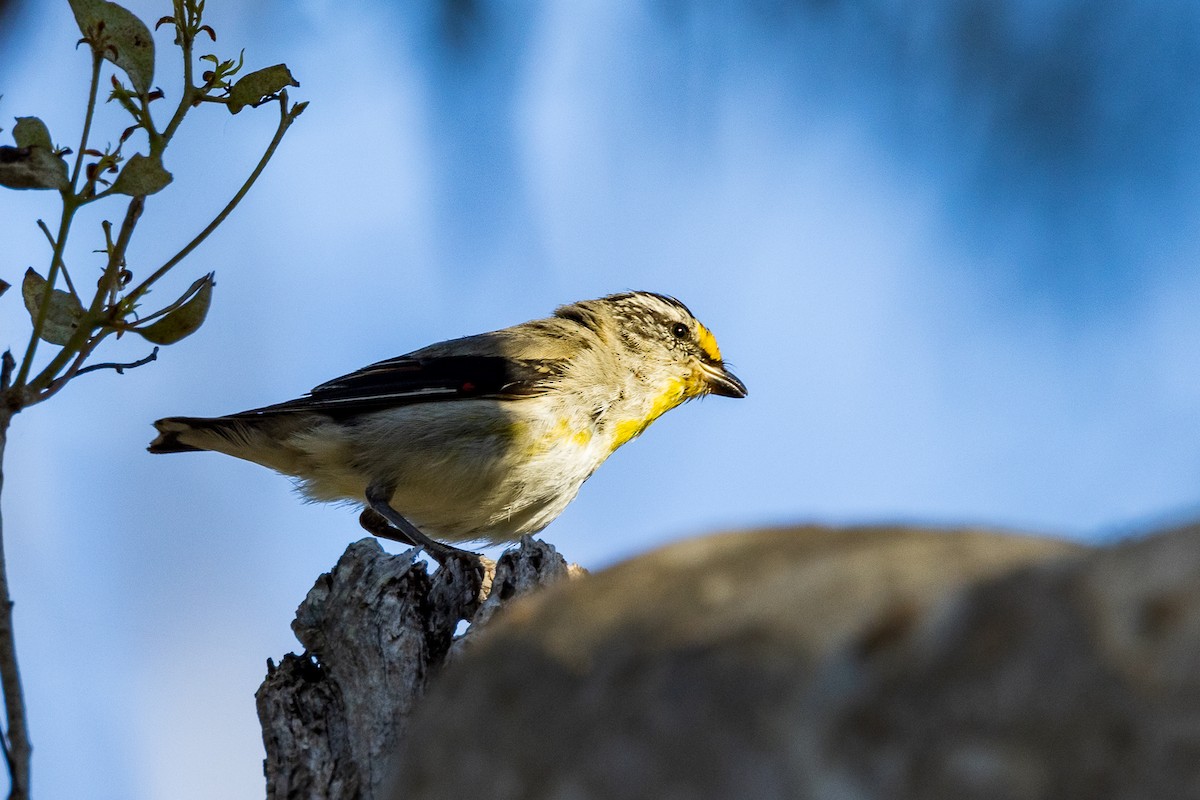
[723, 382]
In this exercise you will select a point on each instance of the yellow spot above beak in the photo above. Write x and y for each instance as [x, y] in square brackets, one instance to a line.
[708, 343]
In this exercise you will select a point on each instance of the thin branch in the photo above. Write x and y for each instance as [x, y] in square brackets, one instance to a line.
[116, 256]
[286, 118]
[10, 672]
[120, 368]
[83, 339]
[62, 265]
[39, 323]
[46, 384]
[87, 120]
[58, 383]
[162, 312]
[109, 192]
[64, 226]
[183, 28]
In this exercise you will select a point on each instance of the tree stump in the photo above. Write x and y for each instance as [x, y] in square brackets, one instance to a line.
[374, 629]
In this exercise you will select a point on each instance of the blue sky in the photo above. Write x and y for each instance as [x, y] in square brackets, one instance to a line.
[950, 248]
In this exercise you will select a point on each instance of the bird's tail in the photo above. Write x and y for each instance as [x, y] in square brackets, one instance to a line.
[263, 440]
[186, 434]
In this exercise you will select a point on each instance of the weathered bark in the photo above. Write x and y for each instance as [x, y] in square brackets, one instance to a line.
[374, 630]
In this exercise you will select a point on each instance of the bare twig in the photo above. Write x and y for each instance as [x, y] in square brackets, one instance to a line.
[183, 28]
[39, 321]
[120, 368]
[83, 340]
[87, 120]
[62, 264]
[56, 385]
[70, 204]
[76, 369]
[286, 118]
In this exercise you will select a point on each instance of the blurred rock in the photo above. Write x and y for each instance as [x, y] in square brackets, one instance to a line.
[822, 663]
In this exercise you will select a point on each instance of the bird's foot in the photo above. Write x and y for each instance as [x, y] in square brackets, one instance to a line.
[378, 523]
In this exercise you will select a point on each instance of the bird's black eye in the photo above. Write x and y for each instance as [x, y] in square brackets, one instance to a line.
[679, 330]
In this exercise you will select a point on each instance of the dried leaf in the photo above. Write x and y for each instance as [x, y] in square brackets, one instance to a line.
[32, 132]
[185, 320]
[64, 314]
[142, 175]
[120, 37]
[32, 164]
[253, 87]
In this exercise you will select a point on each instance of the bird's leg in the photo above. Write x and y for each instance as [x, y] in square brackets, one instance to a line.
[375, 524]
[378, 498]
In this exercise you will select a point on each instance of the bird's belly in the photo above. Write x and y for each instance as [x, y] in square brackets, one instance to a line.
[497, 504]
[478, 474]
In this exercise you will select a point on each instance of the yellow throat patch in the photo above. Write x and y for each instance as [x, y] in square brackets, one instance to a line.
[675, 393]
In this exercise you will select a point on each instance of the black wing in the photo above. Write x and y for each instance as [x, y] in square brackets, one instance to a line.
[422, 379]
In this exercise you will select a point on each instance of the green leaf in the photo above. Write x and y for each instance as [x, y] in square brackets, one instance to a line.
[64, 314]
[119, 36]
[142, 175]
[185, 320]
[32, 164]
[32, 132]
[251, 89]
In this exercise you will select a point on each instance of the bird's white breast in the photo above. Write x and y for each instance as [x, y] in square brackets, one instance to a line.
[467, 470]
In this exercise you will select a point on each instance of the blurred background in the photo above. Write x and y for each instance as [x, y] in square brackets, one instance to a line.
[950, 246]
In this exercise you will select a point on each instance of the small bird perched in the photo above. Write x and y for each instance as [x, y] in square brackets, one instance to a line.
[483, 438]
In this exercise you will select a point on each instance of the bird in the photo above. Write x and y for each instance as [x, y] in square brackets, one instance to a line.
[483, 438]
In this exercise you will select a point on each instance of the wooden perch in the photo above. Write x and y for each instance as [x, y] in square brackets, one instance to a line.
[374, 629]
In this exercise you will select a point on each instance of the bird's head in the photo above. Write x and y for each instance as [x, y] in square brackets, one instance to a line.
[651, 355]
[664, 342]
